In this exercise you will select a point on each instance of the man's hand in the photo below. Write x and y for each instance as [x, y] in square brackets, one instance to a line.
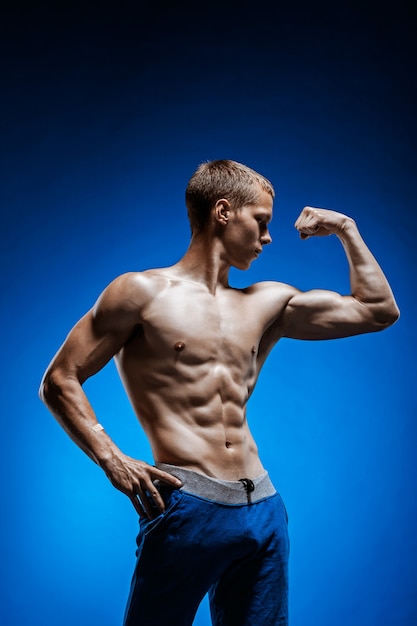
[314, 222]
[136, 479]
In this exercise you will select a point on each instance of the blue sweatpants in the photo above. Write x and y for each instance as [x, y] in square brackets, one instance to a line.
[227, 538]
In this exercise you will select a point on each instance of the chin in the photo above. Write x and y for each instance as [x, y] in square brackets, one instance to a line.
[242, 266]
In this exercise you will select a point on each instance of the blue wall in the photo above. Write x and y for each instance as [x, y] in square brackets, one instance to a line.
[106, 113]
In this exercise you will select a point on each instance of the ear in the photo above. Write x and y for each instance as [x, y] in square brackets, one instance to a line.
[222, 210]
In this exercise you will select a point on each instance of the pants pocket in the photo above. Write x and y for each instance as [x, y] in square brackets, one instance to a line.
[172, 498]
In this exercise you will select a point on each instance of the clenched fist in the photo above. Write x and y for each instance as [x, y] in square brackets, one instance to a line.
[314, 222]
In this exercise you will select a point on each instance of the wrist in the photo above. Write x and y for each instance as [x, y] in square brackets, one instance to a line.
[348, 229]
[105, 452]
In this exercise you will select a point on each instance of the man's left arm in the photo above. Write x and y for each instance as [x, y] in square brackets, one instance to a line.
[321, 314]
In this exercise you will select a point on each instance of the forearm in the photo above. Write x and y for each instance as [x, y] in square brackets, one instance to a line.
[369, 285]
[65, 398]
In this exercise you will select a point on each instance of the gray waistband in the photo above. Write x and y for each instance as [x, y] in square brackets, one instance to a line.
[243, 491]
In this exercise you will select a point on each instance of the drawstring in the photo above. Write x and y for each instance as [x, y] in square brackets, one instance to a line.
[249, 486]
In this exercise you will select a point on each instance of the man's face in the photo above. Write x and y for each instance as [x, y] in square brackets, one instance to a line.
[247, 232]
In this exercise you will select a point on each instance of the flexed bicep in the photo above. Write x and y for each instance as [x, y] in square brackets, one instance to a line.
[323, 314]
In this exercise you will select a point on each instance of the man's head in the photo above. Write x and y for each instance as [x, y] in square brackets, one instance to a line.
[237, 183]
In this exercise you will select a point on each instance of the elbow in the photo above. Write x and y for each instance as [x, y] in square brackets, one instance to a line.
[395, 315]
[45, 387]
[387, 316]
[50, 387]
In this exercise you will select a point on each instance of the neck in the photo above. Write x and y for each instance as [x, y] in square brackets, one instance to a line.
[203, 263]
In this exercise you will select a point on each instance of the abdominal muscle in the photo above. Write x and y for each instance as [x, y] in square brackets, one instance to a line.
[193, 419]
[221, 448]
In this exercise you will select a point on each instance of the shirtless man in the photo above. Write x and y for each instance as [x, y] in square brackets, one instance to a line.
[189, 349]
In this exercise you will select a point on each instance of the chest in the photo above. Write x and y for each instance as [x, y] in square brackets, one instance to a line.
[201, 326]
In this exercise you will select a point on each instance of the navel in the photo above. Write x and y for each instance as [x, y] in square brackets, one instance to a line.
[253, 350]
[228, 444]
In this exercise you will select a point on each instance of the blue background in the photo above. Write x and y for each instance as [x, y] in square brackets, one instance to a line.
[106, 112]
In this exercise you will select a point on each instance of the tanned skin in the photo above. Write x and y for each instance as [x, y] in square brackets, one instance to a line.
[189, 348]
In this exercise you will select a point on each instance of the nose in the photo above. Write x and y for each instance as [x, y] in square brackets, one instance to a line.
[265, 238]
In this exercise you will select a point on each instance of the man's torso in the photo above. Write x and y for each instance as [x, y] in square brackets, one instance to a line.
[191, 365]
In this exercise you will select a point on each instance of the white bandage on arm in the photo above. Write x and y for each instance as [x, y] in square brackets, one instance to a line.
[97, 428]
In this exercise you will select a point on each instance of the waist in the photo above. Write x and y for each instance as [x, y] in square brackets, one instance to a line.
[232, 492]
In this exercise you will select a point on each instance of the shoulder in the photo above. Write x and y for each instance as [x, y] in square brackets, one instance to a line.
[132, 288]
[271, 290]
[125, 298]
[269, 300]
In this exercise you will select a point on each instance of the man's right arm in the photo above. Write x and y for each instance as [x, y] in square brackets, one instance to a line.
[93, 341]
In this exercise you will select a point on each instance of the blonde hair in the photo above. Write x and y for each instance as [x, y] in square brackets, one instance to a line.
[213, 180]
